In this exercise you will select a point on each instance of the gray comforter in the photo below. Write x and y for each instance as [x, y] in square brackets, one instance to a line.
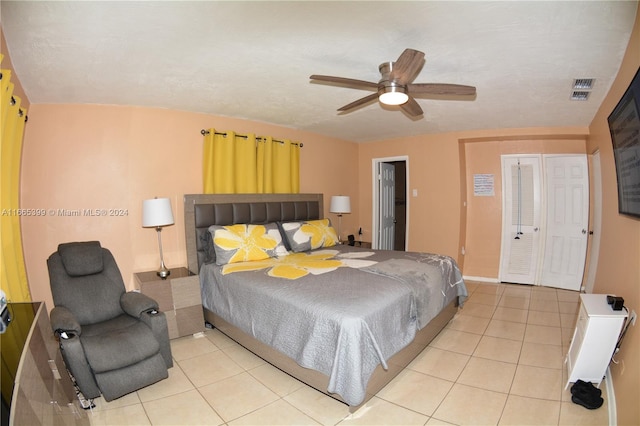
[340, 320]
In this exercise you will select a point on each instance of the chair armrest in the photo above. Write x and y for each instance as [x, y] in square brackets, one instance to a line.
[157, 322]
[135, 304]
[63, 321]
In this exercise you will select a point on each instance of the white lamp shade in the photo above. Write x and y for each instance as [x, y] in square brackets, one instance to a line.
[157, 212]
[340, 204]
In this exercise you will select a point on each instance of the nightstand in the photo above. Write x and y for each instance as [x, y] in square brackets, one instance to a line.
[178, 296]
[363, 244]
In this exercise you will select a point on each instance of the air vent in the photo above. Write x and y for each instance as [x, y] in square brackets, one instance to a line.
[583, 83]
[579, 95]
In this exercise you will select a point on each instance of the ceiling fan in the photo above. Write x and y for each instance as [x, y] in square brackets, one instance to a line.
[396, 87]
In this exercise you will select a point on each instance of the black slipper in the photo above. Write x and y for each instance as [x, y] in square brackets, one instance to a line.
[590, 403]
[580, 385]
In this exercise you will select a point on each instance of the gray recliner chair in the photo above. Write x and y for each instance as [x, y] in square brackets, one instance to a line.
[113, 342]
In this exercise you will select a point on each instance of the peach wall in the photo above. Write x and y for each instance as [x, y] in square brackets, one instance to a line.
[484, 214]
[433, 171]
[619, 261]
[437, 173]
[78, 157]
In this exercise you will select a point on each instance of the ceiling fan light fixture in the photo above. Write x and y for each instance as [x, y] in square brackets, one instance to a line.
[393, 95]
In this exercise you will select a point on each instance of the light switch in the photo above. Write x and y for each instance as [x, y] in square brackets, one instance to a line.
[415, 192]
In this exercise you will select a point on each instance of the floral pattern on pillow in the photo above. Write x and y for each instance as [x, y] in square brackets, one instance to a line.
[309, 235]
[242, 242]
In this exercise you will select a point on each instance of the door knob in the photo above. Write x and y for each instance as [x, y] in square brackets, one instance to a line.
[584, 231]
[535, 229]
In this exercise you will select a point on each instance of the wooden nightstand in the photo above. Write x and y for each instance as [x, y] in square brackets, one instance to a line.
[178, 297]
[363, 244]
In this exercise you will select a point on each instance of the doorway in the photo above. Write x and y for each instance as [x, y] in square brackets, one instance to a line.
[390, 203]
[545, 217]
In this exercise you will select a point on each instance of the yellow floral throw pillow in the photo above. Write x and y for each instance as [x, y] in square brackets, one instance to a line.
[309, 235]
[242, 243]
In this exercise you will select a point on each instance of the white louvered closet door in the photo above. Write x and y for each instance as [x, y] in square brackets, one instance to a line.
[521, 207]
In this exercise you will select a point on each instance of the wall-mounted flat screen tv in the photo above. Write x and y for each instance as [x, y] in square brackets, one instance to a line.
[624, 125]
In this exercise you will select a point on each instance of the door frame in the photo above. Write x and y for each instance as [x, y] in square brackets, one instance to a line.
[375, 167]
[595, 232]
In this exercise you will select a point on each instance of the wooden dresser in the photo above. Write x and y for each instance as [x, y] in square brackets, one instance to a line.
[34, 377]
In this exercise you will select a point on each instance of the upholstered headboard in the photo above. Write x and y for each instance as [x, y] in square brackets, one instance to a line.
[203, 210]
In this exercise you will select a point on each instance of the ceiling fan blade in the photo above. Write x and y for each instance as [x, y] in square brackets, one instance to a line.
[412, 108]
[356, 84]
[407, 66]
[441, 89]
[361, 101]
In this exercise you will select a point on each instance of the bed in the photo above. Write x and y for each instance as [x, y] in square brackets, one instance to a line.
[342, 319]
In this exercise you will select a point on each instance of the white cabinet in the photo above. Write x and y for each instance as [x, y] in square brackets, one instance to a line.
[594, 339]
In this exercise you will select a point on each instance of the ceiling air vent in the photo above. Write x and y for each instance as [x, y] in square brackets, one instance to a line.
[579, 95]
[583, 83]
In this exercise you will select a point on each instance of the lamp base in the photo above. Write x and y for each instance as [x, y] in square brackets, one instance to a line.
[163, 272]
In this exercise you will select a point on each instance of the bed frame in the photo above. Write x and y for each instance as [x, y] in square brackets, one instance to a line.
[204, 210]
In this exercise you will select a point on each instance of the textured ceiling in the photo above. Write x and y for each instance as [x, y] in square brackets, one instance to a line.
[253, 59]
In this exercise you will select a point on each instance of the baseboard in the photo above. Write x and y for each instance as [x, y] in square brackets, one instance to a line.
[611, 399]
[481, 279]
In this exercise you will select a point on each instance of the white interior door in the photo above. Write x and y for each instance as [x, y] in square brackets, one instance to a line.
[567, 220]
[387, 206]
[520, 218]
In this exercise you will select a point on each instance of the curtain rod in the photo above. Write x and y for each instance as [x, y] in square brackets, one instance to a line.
[21, 113]
[204, 132]
[12, 102]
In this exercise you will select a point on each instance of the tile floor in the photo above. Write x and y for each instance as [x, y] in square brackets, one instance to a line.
[498, 362]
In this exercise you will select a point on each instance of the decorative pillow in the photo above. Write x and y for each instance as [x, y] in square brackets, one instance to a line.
[309, 235]
[242, 243]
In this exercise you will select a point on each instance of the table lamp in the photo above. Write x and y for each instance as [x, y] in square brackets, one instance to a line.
[156, 213]
[340, 204]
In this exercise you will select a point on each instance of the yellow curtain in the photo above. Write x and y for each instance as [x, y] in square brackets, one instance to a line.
[243, 164]
[13, 275]
[295, 167]
[265, 165]
[229, 163]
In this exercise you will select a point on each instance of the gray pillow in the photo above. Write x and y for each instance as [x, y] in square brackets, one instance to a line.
[309, 235]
